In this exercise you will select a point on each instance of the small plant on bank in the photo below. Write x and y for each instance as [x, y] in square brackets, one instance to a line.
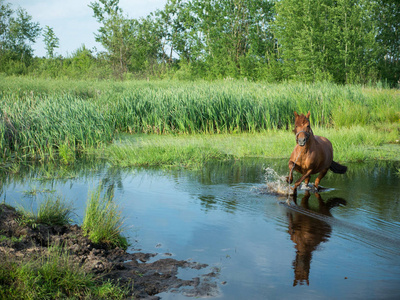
[102, 222]
[52, 211]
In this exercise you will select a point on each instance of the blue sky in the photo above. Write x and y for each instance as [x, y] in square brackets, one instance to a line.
[73, 22]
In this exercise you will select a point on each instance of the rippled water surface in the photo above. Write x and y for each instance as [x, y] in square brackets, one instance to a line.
[341, 243]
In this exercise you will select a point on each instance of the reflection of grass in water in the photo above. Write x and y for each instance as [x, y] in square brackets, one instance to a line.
[35, 191]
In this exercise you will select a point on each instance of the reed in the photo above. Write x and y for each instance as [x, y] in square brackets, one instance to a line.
[38, 118]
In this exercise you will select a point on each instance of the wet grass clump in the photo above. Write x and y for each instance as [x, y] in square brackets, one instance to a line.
[102, 222]
[52, 211]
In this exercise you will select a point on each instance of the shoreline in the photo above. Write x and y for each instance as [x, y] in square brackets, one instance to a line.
[137, 275]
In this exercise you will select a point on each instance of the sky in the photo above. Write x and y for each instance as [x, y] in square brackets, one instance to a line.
[73, 22]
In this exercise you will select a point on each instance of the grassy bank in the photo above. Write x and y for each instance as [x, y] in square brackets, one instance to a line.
[53, 273]
[358, 143]
[52, 276]
[41, 119]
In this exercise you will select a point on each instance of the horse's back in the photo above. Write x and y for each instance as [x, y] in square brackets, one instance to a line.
[323, 141]
[326, 147]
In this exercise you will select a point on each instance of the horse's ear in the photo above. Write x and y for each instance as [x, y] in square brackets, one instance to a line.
[295, 114]
[308, 115]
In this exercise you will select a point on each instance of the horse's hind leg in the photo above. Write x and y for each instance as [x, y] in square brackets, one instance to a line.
[320, 176]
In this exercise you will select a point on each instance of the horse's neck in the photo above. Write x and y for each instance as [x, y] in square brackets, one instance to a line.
[311, 142]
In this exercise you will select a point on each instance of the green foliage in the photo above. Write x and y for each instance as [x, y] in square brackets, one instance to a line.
[102, 221]
[132, 44]
[326, 40]
[52, 276]
[387, 13]
[218, 39]
[345, 41]
[50, 40]
[17, 33]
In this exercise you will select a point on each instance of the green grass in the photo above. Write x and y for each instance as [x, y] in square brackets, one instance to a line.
[357, 143]
[51, 211]
[52, 276]
[46, 119]
[102, 222]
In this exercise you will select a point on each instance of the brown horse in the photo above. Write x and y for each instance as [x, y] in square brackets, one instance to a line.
[313, 154]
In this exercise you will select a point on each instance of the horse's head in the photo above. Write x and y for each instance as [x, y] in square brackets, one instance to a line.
[302, 128]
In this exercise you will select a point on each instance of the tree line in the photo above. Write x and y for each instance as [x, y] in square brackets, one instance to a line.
[341, 41]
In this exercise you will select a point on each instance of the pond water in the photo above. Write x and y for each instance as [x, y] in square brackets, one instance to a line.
[341, 243]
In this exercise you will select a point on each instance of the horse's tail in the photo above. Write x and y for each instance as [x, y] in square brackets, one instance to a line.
[337, 168]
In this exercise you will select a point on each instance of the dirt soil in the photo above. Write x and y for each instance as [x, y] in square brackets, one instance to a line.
[148, 275]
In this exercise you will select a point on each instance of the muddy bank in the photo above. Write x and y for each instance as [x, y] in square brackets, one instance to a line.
[140, 273]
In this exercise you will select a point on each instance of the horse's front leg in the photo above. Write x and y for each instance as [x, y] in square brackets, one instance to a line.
[298, 182]
[289, 179]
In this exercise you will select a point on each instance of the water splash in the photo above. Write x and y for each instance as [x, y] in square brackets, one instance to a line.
[276, 184]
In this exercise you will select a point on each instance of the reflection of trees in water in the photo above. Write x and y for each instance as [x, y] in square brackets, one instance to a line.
[225, 172]
[307, 233]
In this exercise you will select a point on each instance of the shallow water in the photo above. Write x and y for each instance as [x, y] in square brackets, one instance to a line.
[342, 243]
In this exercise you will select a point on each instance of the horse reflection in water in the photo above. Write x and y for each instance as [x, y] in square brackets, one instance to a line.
[308, 232]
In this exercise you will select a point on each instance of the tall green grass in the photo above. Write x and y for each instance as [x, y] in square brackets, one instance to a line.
[246, 107]
[41, 119]
[34, 127]
[102, 222]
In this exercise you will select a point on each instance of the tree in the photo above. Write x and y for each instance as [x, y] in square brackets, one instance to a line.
[388, 17]
[326, 39]
[224, 37]
[146, 52]
[113, 34]
[17, 33]
[50, 40]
